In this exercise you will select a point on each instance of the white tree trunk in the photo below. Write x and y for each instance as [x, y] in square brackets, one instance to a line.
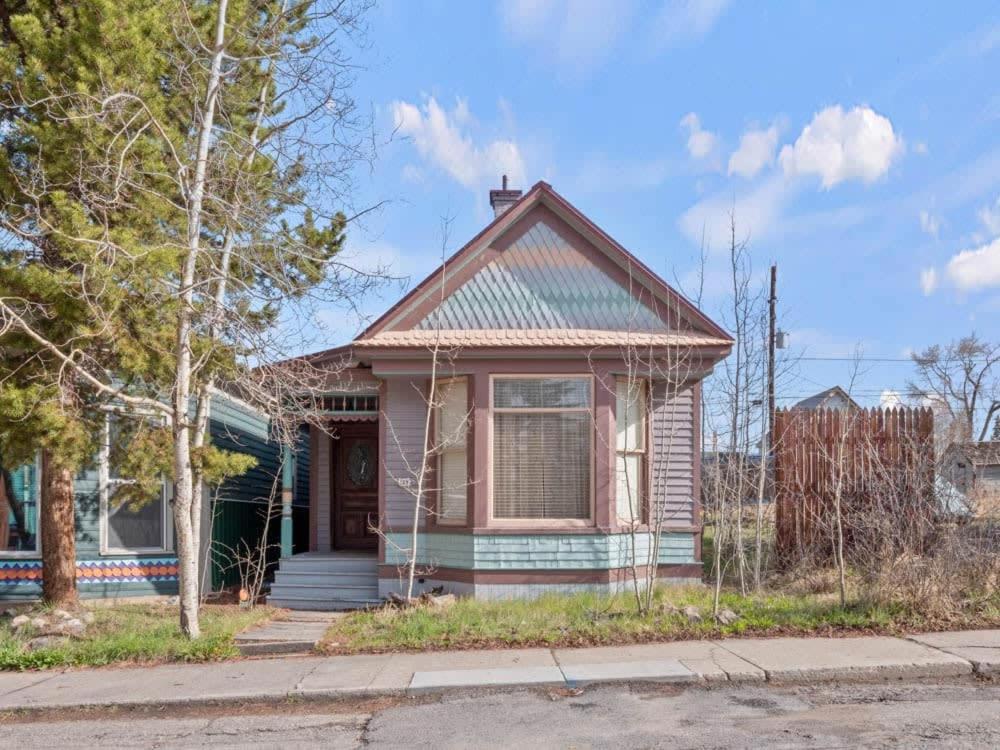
[187, 503]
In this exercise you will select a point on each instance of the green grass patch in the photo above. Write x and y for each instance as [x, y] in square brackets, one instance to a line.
[594, 620]
[134, 633]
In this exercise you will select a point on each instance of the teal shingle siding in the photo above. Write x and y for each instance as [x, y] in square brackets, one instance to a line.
[233, 427]
[539, 551]
[16, 586]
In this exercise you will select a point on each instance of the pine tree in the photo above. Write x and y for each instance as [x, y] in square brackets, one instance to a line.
[168, 188]
[65, 304]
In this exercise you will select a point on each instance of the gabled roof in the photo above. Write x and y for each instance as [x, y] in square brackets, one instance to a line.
[827, 400]
[986, 453]
[542, 291]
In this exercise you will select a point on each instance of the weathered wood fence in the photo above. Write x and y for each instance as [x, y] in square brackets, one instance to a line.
[870, 462]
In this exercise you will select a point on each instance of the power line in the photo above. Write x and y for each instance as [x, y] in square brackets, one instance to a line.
[881, 359]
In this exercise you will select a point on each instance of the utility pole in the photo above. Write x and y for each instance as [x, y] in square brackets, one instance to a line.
[771, 302]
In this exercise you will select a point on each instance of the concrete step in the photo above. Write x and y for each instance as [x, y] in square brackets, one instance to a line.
[330, 590]
[322, 604]
[275, 648]
[330, 564]
[324, 578]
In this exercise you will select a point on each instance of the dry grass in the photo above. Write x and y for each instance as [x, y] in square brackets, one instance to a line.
[592, 620]
[132, 634]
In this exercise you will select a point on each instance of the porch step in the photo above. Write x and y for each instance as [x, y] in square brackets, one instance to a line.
[322, 605]
[330, 582]
[350, 579]
[331, 589]
[347, 564]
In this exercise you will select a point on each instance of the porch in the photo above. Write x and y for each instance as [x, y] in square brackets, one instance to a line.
[340, 569]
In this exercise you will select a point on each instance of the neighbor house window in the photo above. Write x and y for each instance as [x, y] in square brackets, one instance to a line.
[542, 452]
[630, 449]
[20, 493]
[451, 434]
[133, 514]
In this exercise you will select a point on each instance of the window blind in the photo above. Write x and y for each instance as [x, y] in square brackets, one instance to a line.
[451, 439]
[541, 448]
[630, 448]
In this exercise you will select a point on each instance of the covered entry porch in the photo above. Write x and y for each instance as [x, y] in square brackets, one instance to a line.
[340, 568]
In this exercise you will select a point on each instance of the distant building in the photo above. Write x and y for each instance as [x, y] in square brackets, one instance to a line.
[970, 478]
[832, 398]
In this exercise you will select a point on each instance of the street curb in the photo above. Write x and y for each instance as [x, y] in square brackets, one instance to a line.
[867, 675]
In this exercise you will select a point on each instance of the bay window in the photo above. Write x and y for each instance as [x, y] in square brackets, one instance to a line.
[630, 449]
[542, 448]
[451, 435]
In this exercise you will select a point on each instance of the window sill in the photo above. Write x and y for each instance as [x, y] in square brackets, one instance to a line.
[37, 555]
[138, 552]
[540, 525]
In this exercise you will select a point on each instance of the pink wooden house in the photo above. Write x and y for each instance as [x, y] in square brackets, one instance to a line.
[563, 380]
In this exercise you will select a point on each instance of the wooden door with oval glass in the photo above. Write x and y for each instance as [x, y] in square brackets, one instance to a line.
[355, 483]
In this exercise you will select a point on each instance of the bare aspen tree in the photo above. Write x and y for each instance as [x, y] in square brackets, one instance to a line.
[419, 476]
[657, 371]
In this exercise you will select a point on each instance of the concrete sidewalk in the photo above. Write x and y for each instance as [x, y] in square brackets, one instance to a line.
[936, 655]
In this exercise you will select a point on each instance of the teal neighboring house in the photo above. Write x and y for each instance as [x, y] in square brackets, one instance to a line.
[127, 552]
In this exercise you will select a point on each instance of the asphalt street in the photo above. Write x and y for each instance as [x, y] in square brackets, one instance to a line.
[911, 715]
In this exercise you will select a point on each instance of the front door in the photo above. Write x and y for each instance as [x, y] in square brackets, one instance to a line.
[355, 483]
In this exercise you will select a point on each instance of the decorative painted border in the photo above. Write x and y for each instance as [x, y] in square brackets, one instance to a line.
[29, 572]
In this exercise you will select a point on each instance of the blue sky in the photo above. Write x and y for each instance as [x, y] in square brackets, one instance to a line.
[858, 142]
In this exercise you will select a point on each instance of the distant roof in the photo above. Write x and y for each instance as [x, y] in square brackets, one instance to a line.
[986, 453]
[831, 398]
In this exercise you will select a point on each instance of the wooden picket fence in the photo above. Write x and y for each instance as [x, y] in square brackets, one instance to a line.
[876, 459]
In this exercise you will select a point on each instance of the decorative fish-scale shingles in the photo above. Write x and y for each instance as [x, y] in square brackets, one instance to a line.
[541, 281]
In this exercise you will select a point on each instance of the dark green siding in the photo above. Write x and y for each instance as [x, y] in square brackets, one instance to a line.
[241, 506]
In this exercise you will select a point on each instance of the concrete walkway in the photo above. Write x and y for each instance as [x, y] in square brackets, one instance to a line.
[936, 655]
[298, 633]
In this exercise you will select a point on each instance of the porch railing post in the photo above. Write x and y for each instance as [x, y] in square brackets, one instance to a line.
[287, 469]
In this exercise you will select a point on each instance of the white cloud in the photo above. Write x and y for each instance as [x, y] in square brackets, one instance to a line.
[838, 146]
[443, 139]
[755, 152]
[990, 217]
[978, 268]
[700, 143]
[928, 281]
[929, 223]
[680, 21]
[755, 212]
[920, 147]
[578, 34]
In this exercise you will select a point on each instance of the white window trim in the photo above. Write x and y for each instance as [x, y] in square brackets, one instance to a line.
[534, 523]
[104, 484]
[35, 554]
[439, 519]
